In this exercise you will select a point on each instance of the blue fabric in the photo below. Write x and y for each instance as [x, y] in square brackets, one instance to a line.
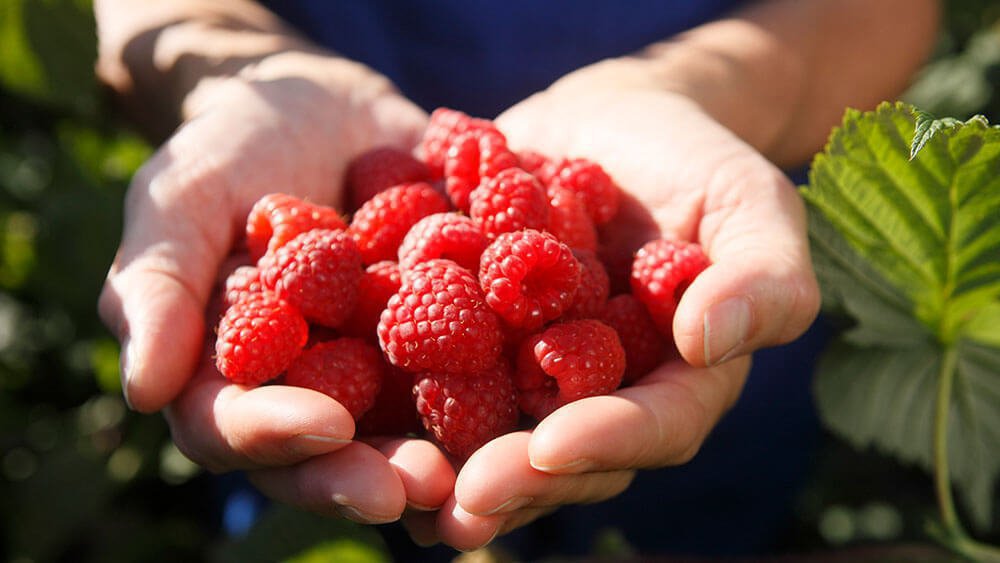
[482, 56]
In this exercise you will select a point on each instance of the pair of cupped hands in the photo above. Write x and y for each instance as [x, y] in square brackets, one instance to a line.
[289, 124]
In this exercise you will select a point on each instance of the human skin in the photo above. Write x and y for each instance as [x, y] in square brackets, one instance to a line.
[694, 129]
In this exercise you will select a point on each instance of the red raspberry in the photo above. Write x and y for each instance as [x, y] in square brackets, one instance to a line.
[645, 347]
[570, 360]
[382, 222]
[588, 180]
[318, 271]
[473, 156]
[438, 321]
[277, 218]
[442, 129]
[620, 239]
[510, 201]
[258, 338]
[529, 277]
[463, 412]
[242, 282]
[379, 169]
[531, 161]
[380, 281]
[394, 412]
[569, 220]
[452, 236]
[592, 295]
[661, 271]
[347, 369]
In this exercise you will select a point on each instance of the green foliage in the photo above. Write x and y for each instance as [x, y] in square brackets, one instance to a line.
[909, 249]
[284, 534]
[47, 52]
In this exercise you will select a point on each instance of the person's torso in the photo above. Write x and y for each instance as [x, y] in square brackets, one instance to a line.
[483, 56]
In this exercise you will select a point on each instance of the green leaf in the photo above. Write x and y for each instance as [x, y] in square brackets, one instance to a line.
[926, 127]
[905, 235]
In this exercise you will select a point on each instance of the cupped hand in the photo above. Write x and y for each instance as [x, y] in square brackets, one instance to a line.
[287, 124]
[687, 176]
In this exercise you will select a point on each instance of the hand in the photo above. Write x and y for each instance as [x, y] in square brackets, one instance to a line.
[289, 123]
[686, 176]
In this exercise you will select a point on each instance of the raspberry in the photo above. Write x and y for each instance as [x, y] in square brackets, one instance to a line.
[258, 338]
[592, 295]
[589, 182]
[438, 321]
[318, 271]
[473, 156]
[529, 277]
[569, 220]
[347, 369]
[382, 222]
[452, 236]
[570, 360]
[277, 218]
[442, 129]
[242, 282]
[661, 271]
[394, 412]
[531, 161]
[379, 169]
[510, 201]
[463, 412]
[645, 347]
[380, 281]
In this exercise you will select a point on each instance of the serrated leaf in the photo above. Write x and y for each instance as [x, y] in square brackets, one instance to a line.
[909, 250]
[926, 127]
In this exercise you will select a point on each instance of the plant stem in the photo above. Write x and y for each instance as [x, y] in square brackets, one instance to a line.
[942, 479]
[954, 534]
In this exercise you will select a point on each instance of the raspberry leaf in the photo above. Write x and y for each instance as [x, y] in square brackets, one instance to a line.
[905, 236]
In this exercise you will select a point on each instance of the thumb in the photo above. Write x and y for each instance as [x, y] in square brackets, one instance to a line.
[760, 289]
[155, 294]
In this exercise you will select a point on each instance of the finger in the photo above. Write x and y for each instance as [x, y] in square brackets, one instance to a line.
[421, 527]
[660, 420]
[760, 289]
[425, 472]
[499, 478]
[223, 427]
[155, 294]
[355, 482]
[467, 532]
[464, 531]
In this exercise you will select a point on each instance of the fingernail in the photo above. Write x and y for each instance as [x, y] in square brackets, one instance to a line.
[510, 505]
[355, 515]
[575, 466]
[727, 326]
[496, 533]
[124, 365]
[422, 507]
[315, 444]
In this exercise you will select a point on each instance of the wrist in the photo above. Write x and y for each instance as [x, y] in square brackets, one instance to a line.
[752, 103]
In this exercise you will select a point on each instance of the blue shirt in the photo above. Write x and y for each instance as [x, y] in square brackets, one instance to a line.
[483, 56]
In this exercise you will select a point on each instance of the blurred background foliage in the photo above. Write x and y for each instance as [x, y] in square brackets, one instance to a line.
[82, 478]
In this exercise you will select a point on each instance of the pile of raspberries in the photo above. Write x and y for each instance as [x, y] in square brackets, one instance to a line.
[465, 296]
